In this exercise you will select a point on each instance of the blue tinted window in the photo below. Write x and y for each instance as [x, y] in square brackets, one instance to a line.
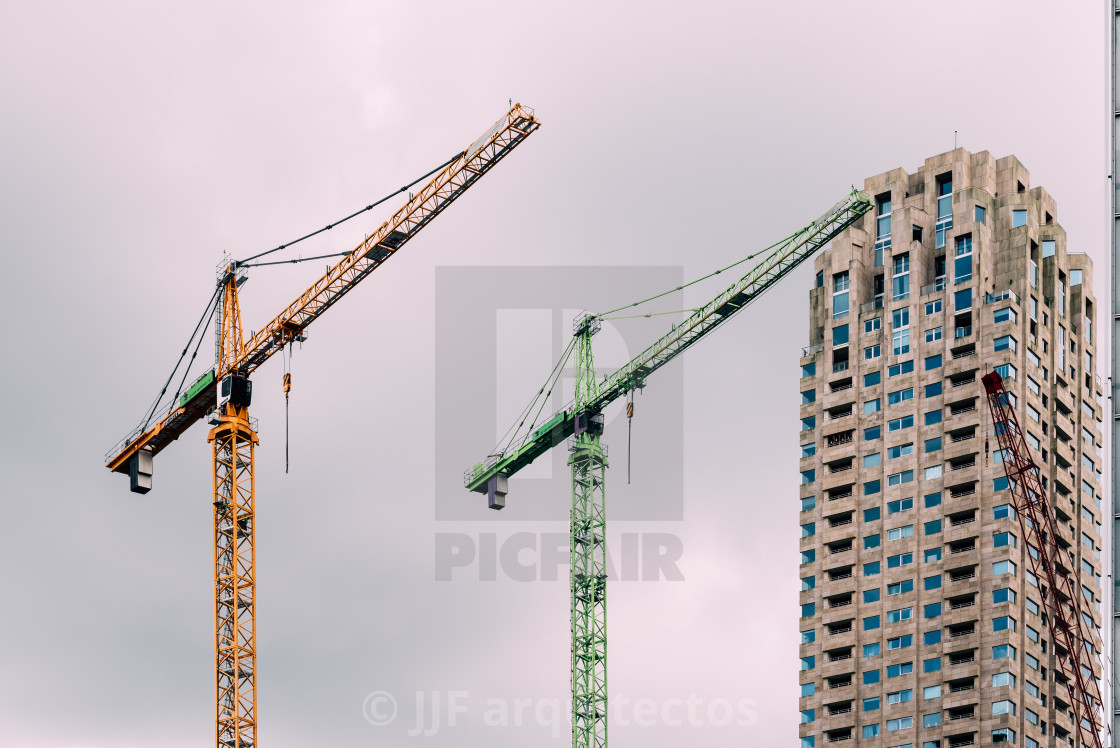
[870, 515]
[933, 390]
[931, 637]
[871, 569]
[871, 487]
[934, 416]
[872, 378]
[871, 433]
[933, 362]
[933, 499]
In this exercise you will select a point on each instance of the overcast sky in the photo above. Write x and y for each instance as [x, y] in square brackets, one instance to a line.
[137, 143]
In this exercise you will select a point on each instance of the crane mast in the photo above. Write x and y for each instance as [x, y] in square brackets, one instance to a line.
[223, 395]
[1061, 600]
[581, 425]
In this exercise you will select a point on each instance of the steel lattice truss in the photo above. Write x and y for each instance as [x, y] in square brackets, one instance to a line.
[1074, 652]
[235, 636]
[589, 565]
[589, 594]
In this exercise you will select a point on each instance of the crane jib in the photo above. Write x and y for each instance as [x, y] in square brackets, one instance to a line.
[433, 198]
[780, 262]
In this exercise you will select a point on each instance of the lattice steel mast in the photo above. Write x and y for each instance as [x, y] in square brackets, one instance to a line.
[588, 579]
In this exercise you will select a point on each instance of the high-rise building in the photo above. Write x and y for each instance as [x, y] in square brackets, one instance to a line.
[920, 619]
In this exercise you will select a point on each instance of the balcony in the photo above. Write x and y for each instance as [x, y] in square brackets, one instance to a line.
[871, 306]
[1004, 295]
[812, 350]
[937, 285]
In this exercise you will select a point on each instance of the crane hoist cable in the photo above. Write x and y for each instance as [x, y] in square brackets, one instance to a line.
[629, 432]
[356, 213]
[287, 388]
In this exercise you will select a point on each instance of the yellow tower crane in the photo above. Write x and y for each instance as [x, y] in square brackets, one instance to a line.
[222, 396]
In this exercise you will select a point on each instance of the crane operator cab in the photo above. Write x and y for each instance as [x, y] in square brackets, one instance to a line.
[236, 390]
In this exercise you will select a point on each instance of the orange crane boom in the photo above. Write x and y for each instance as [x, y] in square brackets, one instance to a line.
[223, 395]
[443, 189]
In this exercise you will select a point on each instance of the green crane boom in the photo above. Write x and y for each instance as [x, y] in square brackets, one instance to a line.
[583, 421]
[490, 475]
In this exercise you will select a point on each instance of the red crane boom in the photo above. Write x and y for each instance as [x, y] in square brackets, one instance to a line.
[1074, 652]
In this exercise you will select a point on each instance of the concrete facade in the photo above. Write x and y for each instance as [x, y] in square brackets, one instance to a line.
[908, 600]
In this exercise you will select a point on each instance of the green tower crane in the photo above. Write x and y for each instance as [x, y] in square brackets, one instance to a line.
[581, 425]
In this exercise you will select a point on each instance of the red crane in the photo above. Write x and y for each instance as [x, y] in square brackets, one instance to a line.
[1074, 652]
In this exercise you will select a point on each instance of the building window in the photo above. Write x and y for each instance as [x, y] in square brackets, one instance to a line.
[840, 335]
[900, 278]
[932, 445]
[898, 533]
[839, 295]
[872, 325]
[882, 227]
[944, 208]
[981, 214]
[933, 362]
[871, 487]
[933, 307]
[1018, 218]
[900, 423]
[933, 472]
[900, 331]
[901, 450]
[1005, 342]
[871, 352]
[1074, 278]
[1061, 295]
[871, 406]
[1049, 247]
[901, 505]
[1003, 567]
[933, 335]
[900, 396]
[903, 368]
[902, 723]
[962, 263]
[1034, 274]
[899, 478]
